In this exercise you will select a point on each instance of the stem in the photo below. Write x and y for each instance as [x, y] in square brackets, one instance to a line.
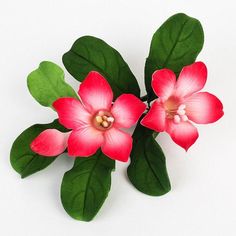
[154, 135]
[144, 98]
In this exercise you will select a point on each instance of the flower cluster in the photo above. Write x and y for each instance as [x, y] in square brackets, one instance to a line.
[96, 122]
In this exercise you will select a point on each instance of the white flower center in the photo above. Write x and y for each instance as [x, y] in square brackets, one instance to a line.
[180, 114]
[103, 120]
[175, 111]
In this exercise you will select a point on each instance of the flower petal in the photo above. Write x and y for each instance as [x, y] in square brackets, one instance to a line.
[155, 118]
[163, 82]
[127, 109]
[84, 142]
[184, 134]
[71, 112]
[117, 144]
[50, 142]
[204, 108]
[95, 92]
[192, 78]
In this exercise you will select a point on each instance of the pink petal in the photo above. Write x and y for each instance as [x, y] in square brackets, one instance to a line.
[192, 78]
[127, 109]
[71, 112]
[95, 92]
[84, 142]
[155, 118]
[163, 82]
[204, 108]
[184, 134]
[117, 144]
[50, 142]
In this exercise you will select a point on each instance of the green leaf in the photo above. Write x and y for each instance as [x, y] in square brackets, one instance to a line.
[174, 45]
[23, 159]
[147, 170]
[46, 84]
[85, 187]
[92, 54]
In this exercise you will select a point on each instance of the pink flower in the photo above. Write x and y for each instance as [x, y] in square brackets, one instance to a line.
[179, 103]
[94, 122]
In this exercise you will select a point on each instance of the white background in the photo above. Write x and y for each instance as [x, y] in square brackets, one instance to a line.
[203, 197]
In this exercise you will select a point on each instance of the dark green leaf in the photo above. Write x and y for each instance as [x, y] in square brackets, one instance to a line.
[147, 170]
[23, 159]
[85, 187]
[92, 54]
[46, 84]
[174, 45]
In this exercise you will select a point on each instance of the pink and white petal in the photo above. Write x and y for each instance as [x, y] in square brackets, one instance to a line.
[72, 114]
[192, 78]
[95, 92]
[117, 145]
[163, 83]
[184, 133]
[126, 110]
[155, 118]
[84, 142]
[50, 142]
[204, 108]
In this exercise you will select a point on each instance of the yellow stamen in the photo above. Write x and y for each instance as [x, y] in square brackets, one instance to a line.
[99, 119]
[104, 117]
[105, 124]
